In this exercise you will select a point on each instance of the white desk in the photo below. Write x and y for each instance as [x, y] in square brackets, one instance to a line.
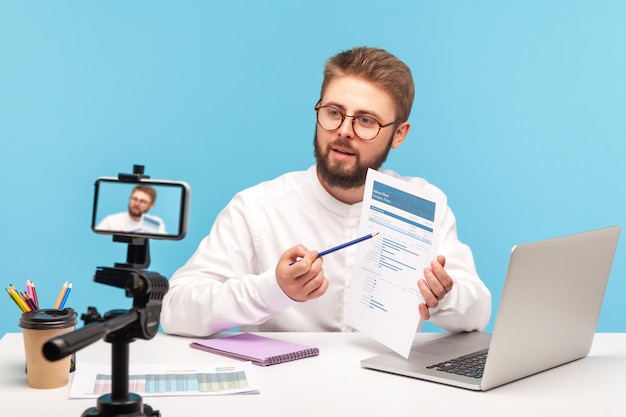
[334, 384]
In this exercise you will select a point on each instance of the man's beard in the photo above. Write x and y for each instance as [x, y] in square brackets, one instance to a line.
[337, 173]
[134, 213]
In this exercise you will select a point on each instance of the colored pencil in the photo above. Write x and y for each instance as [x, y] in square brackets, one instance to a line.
[15, 296]
[31, 302]
[343, 245]
[27, 300]
[30, 286]
[14, 300]
[67, 293]
[61, 295]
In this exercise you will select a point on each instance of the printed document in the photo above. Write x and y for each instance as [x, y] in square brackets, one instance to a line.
[383, 297]
[164, 380]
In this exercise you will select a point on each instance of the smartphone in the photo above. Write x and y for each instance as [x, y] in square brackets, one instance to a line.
[156, 209]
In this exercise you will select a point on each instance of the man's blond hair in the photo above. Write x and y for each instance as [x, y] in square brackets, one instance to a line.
[378, 67]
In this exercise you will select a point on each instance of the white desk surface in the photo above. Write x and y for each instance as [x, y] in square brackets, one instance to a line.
[334, 384]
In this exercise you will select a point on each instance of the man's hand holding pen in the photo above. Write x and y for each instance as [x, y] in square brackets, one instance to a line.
[302, 280]
[434, 286]
[306, 282]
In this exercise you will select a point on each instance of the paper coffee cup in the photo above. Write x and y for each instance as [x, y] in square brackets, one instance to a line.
[38, 327]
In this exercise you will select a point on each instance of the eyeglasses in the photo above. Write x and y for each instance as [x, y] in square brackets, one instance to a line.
[139, 200]
[365, 127]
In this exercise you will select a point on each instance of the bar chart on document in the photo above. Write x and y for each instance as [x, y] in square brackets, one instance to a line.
[384, 296]
[176, 382]
[92, 380]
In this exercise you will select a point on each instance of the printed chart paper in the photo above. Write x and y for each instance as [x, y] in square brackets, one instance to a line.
[383, 298]
[161, 380]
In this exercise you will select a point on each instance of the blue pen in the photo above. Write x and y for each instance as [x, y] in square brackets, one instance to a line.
[343, 245]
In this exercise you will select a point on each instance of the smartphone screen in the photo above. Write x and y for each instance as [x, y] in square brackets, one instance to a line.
[155, 209]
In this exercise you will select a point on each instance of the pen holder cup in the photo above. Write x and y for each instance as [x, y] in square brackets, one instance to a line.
[38, 327]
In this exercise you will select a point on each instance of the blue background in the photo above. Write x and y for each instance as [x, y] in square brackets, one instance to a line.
[519, 117]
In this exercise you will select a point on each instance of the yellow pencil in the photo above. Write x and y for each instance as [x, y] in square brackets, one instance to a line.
[61, 294]
[16, 297]
[14, 300]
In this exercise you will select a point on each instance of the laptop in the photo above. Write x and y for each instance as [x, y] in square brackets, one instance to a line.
[547, 317]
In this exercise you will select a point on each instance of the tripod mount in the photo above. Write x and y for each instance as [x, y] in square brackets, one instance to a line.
[120, 327]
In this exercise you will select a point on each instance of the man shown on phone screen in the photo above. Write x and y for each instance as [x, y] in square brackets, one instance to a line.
[136, 219]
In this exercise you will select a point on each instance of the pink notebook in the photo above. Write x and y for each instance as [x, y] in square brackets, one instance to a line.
[260, 350]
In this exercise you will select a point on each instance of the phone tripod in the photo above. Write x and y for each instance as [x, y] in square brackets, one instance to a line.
[120, 328]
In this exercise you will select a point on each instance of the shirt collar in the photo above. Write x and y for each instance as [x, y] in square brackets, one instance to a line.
[330, 202]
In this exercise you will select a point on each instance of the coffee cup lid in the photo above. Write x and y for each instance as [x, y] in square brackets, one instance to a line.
[48, 319]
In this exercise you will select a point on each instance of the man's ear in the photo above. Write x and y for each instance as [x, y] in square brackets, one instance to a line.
[401, 132]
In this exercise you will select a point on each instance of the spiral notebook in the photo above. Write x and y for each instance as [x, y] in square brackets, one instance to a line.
[260, 350]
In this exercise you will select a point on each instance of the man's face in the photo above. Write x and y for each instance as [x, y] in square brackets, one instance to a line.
[139, 204]
[343, 158]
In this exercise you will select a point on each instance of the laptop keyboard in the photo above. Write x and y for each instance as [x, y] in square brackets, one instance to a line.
[471, 365]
